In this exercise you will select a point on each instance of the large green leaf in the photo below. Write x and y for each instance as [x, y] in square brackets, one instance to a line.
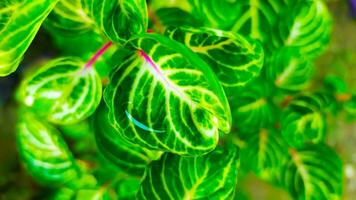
[303, 121]
[19, 23]
[44, 152]
[264, 154]
[163, 96]
[314, 172]
[306, 25]
[64, 91]
[288, 69]
[212, 176]
[235, 60]
[126, 155]
[119, 19]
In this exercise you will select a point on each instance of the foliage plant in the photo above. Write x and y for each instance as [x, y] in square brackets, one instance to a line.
[175, 99]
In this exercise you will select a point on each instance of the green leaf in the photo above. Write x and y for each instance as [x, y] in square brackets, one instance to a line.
[64, 91]
[251, 107]
[306, 25]
[235, 60]
[314, 172]
[44, 152]
[163, 96]
[212, 176]
[126, 155]
[264, 154]
[288, 69]
[303, 121]
[19, 23]
[120, 19]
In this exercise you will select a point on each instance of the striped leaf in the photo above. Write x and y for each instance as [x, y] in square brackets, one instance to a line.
[306, 25]
[314, 172]
[251, 107]
[44, 152]
[288, 69]
[126, 155]
[64, 91]
[119, 19]
[264, 154]
[235, 60]
[212, 176]
[19, 23]
[163, 96]
[303, 121]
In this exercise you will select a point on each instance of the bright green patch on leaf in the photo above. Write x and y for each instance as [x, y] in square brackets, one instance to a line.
[64, 91]
[235, 59]
[212, 176]
[19, 23]
[163, 96]
[44, 152]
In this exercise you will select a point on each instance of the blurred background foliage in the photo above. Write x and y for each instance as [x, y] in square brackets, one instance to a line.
[339, 59]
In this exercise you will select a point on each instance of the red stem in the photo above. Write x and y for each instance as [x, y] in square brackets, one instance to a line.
[97, 55]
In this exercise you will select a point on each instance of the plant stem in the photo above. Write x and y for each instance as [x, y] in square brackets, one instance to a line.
[97, 55]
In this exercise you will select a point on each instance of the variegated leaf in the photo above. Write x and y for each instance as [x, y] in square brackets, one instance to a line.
[235, 59]
[120, 19]
[314, 172]
[44, 152]
[126, 155]
[64, 91]
[163, 96]
[289, 69]
[19, 23]
[212, 176]
[306, 25]
[303, 121]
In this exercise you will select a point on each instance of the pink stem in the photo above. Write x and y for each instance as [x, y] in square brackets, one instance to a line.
[97, 55]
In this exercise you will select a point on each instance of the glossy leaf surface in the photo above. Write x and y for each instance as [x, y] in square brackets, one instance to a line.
[212, 176]
[64, 91]
[126, 155]
[163, 96]
[19, 23]
[44, 152]
[314, 172]
[235, 59]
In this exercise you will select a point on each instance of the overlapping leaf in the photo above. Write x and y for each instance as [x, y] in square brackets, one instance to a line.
[163, 96]
[306, 25]
[235, 60]
[212, 176]
[314, 172]
[44, 152]
[264, 154]
[126, 155]
[303, 121]
[19, 23]
[118, 19]
[288, 69]
[64, 91]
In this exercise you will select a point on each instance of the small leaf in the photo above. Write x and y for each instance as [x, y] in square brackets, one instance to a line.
[303, 121]
[235, 60]
[264, 154]
[126, 155]
[314, 172]
[119, 20]
[288, 69]
[44, 152]
[212, 176]
[306, 25]
[19, 23]
[163, 96]
[64, 91]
